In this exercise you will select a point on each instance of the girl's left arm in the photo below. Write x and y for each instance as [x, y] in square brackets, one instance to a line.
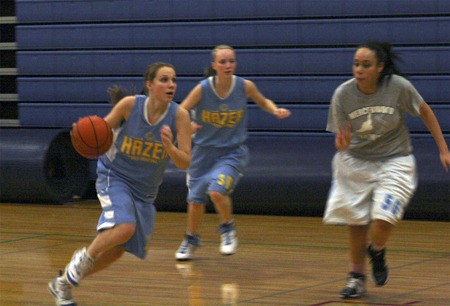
[265, 104]
[429, 119]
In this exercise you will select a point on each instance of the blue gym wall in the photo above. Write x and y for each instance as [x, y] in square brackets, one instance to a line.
[296, 51]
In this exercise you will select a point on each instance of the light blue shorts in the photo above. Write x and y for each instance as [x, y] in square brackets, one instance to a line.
[121, 206]
[215, 169]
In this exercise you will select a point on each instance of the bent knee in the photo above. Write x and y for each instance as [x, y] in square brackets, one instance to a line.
[126, 231]
[216, 196]
[384, 224]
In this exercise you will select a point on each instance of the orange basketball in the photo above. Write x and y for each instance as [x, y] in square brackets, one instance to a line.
[91, 136]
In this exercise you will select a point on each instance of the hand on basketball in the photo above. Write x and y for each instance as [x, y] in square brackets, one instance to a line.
[281, 113]
[343, 137]
[91, 136]
[166, 136]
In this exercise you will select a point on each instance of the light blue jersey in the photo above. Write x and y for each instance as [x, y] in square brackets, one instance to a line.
[224, 120]
[219, 156]
[130, 173]
[138, 157]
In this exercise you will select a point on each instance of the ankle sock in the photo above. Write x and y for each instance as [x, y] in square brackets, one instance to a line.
[376, 248]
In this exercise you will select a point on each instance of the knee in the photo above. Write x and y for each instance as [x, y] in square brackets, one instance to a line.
[382, 225]
[216, 196]
[125, 231]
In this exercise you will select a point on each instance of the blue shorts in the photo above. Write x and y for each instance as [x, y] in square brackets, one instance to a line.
[121, 206]
[217, 169]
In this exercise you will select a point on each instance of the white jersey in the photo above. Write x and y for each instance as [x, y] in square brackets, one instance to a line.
[377, 120]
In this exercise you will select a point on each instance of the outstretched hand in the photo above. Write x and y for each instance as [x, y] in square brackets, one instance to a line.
[343, 137]
[445, 160]
[281, 113]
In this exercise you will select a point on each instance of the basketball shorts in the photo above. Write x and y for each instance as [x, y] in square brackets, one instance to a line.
[215, 169]
[363, 190]
[121, 206]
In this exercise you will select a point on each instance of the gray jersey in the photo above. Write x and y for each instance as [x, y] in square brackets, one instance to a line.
[377, 120]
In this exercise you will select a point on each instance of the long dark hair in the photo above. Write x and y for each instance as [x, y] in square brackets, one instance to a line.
[117, 93]
[384, 54]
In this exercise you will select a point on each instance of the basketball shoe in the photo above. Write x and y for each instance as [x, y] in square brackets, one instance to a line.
[229, 242]
[356, 286]
[78, 266]
[187, 247]
[61, 291]
[380, 271]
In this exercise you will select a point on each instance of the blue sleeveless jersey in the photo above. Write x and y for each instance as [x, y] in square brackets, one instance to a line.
[224, 120]
[137, 156]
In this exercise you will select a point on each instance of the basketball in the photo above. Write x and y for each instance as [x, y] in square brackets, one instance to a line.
[91, 136]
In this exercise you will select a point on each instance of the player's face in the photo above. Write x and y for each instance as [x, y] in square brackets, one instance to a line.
[366, 70]
[164, 85]
[225, 62]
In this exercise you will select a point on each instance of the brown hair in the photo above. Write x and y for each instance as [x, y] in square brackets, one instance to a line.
[210, 71]
[153, 69]
[117, 93]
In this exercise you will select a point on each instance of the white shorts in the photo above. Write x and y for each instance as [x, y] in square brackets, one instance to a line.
[364, 190]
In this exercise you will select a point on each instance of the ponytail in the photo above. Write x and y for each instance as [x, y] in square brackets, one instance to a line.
[209, 72]
[116, 93]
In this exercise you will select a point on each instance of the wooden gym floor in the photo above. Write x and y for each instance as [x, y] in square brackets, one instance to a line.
[281, 261]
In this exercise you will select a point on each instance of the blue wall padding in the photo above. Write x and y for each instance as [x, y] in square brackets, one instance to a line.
[40, 166]
[338, 32]
[268, 61]
[283, 89]
[30, 11]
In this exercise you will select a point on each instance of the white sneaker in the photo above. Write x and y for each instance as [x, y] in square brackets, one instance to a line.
[187, 247]
[61, 291]
[355, 287]
[79, 265]
[229, 242]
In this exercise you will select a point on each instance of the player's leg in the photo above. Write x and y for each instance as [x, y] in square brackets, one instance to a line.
[224, 178]
[191, 239]
[81, 265]
[197, 182]
[227, 228]
[355, 287]
[397, 183]
[115, 226]
[195, 217]
[84, 261]
[105, 259]
[349, 202]
[223, 205]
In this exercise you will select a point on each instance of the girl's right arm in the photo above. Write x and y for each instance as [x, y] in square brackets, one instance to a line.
[120, 112]
[193, 98]
[190, 102]
[343, 137]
